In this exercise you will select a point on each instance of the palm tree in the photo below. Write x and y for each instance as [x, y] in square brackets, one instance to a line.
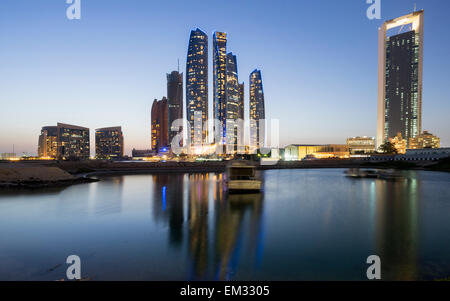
[388, 148]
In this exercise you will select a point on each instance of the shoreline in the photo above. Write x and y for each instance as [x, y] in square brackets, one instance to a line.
[47, 174]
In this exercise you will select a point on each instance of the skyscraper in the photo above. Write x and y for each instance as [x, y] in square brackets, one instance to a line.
[400, 65]
[109, 143]
[257, 111]
[175, 102]
[232, 104]
[160, 138]
[197, 87]
[220, 84]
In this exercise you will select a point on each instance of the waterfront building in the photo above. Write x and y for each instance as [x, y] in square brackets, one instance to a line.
[109, 143]
[361, 146]
[425, 140]
[142, 153]
[257, 111]
[48, 142]
[175, 103]
[160, 137]
[399, 143]
[232, 105]
[422, 154]
[298, 152]
[8, 156]
[197, 87]
[73, 142]
[241, 109]
[400, 68]
[220, 85]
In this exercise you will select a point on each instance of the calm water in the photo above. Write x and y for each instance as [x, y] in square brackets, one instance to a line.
[307, 225]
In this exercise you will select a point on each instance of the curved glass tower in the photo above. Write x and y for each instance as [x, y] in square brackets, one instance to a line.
[197, 87]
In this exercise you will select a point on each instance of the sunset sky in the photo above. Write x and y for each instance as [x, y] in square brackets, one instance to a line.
[318, 61]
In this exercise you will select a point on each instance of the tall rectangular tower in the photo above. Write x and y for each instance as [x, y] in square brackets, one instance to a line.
[232, 105]
[160, 133]
[220, 83]
[257, 111]
[175, 103]
[400, 68]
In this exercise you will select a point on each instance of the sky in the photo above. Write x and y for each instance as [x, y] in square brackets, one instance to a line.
[318, 60]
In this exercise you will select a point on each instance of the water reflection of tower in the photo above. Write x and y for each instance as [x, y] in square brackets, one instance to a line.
[219, 240]
[238, 220]
[199, 187]
[112, 190]
[168, 204]
[396, 227]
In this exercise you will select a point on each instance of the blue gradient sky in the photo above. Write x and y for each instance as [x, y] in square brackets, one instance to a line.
[318, 60]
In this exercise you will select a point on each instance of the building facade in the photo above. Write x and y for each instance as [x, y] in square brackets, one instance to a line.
[220, 85]
[241, 101]
[232, 105]
[175, 103]
[425, 140]
[197, 87]
[400, 68]
[298, 152]
[109, 143]
[48, 142]
[361, 146]
[73, 142]
[160, 133]
[257, 111]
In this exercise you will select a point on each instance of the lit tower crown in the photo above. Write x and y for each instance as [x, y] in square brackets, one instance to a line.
[400, 68]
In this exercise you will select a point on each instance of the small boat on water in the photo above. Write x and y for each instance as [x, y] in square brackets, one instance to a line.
[241, 178]
[357, 173]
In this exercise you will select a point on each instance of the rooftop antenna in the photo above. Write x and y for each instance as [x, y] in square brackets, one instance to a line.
[415, 7]
[178, 65]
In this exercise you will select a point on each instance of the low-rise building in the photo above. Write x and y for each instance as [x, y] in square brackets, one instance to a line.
[361, 146]
[424, 154]
[109, 143]
[425, 140]
[298, 152]
[71, 142]
[8, 156]
[142, 153]
[399, 143]
[48, 142]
